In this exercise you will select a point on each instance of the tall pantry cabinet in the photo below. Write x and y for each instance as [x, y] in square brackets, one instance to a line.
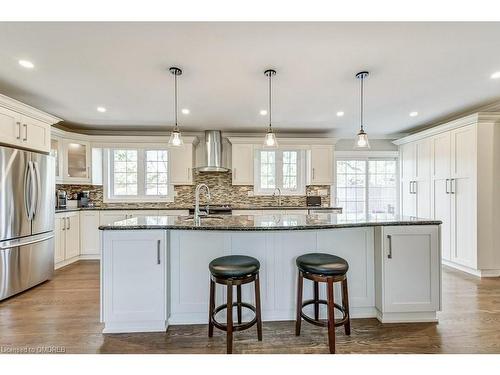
[451, 172]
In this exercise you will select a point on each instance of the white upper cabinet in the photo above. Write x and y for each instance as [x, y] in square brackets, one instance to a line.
[321, 165]
[242, 164]
[181, 161]
[76, 161]
[24, 126]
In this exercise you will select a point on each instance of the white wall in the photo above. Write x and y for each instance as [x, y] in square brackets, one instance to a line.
[346, 144]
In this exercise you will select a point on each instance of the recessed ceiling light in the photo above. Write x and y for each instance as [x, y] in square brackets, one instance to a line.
[26, 64]
[263, 112]
[101, 109]
[185, 111]
[413, 114]
[495, 75]
[340, 113]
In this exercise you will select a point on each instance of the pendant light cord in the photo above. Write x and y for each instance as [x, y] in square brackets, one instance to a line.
[270, 100]
[175, 99]
[361, 101]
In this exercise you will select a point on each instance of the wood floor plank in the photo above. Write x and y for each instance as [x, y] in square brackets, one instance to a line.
[64, 313]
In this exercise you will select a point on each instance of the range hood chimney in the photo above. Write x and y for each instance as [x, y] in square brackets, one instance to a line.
[213, 152]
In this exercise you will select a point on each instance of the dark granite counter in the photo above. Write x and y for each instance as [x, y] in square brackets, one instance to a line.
[71, 209]
[260, 222]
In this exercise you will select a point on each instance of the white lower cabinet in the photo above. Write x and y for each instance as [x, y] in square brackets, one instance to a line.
[90, 246]
[134, 281]
[407, 263]
[67, 238]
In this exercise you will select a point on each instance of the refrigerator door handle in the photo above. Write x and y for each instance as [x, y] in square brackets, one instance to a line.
[36, 192]
[13, 244]
[33, 190]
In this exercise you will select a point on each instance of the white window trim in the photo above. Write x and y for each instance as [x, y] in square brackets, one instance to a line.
[365, 156]
[301, 172]
[108, 182]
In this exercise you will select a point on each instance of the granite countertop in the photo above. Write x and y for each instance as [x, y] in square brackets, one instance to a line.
[260, 222]
[71, 209]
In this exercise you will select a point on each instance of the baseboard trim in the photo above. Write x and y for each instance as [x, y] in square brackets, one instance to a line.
[67, 262]
[407, 317]
[471, 271]
[130, 327]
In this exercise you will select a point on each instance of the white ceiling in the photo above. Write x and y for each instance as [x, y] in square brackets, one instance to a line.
[432, 68]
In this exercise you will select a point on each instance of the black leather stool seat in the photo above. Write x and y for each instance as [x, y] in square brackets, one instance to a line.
[233, 266]
[322, 264]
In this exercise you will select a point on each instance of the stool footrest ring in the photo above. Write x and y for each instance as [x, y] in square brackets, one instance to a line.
[236, 326]
[323, 322]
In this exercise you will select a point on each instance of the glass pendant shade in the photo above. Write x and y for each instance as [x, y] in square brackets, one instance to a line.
[270, 140]
[362, 140]
[175, 138]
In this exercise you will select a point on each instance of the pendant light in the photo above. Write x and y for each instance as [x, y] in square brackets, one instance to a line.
[175, 137]
[362, 137]
[270, 138]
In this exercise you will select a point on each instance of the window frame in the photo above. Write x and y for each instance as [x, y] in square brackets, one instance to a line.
[366, 157]
[301, 172]
[141, 197]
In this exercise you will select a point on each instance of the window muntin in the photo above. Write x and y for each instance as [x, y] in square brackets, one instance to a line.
[367, 188]
[138, 174]
[284, 169]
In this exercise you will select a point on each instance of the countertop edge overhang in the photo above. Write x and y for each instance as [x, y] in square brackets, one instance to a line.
[249, 208]
[267, 229]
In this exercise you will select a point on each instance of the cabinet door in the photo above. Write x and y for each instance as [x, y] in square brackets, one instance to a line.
[59, 238]
[242, 164]
[441, 155]
[76, 161]
[422, 184]
[56, 152]
[321, 165]
[89, 233]
[408, 157]
[411, 268]
[35, 134]
[134, 277]
[441, 210]
[463, 196]
[109, 217]
[181, 164]
[10, 123]
[408, 199]
[72, 235]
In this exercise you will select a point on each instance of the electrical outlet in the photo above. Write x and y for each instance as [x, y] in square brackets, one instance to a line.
[250, 193]
[323, 192]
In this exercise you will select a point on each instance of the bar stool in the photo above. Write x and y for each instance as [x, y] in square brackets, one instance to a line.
[323, 268]
[230, 271]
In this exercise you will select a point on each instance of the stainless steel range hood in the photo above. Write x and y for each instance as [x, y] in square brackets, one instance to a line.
[213, 152]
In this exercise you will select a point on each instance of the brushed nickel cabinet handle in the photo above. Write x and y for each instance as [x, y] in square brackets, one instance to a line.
[453, 185]
[446, 186]
[69, 224]
[64, 223]
[18, 130]
[25, 132]
[313, 173]
[158, 252]
[414, 187]
[389, 253]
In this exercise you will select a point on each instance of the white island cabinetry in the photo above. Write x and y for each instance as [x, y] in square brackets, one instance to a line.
[134, 286]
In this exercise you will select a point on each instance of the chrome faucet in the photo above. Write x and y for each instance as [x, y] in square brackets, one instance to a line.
[197, 219]
[279, 195]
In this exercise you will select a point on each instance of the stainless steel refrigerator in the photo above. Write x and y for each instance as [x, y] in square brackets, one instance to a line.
[27, 201]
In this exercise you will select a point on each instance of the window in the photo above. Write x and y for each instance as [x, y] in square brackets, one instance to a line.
[137, 175]
[367, 187]
[282, 169]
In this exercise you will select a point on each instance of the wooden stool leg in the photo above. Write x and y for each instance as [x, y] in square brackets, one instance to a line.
[229, 314]
[300, 280]
[211, 308]
[345, 305]
[257, 308]
[331, 316]
[238, 299]
[316, 298]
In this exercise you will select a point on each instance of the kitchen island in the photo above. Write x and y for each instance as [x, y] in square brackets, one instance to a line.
[154, 269]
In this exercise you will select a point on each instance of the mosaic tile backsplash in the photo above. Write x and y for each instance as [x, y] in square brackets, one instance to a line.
[221, 190]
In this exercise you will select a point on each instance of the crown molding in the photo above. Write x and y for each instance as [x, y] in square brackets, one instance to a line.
[27, 110]
[283, 141]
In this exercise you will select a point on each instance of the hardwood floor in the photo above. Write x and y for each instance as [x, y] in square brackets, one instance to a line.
[63, 315]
